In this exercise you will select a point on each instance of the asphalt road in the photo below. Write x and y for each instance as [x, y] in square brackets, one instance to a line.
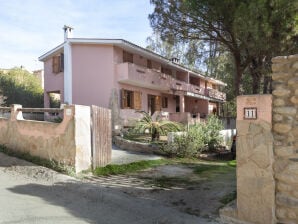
[34, 194]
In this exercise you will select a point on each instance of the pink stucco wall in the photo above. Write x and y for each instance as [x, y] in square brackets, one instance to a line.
[52, 82]
[93, 74]
[193, 104]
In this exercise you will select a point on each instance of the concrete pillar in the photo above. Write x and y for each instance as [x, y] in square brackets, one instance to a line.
[14, 113]
[182, 103]
[67, 73]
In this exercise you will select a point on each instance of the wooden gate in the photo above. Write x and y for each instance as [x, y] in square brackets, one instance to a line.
[101, 134]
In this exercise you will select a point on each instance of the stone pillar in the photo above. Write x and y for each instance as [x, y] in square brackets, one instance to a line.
[255, 177]
[285, 132]
[255, 181]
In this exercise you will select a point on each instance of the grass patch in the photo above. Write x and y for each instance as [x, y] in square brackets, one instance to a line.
[228, 198]
[52, 164]
[208, 170]
[168, 182]
[232, 163]
[128, 168]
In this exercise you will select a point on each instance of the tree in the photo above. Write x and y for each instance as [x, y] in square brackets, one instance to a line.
[156, 127]
[18, 86]
[187, 52]
[251, 31]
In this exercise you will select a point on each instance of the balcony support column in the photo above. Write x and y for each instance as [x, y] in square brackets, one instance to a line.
[182, 103]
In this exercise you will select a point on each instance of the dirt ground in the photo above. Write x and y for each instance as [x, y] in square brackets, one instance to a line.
[177, 186]
[163, 195]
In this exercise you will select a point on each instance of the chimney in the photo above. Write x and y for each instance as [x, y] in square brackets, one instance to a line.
[67, 32]
[175, 60]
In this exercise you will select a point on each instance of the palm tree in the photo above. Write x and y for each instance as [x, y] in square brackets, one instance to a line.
[156, 127]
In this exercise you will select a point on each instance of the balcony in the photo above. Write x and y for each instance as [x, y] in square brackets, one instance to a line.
[215, 94]
[148, 78]
[133, 74]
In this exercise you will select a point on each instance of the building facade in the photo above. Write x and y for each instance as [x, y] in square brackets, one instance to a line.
[117, 74]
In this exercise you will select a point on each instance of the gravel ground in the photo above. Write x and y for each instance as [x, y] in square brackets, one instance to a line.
[34, 194]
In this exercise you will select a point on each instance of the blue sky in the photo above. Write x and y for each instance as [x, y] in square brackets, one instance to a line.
[32, 27]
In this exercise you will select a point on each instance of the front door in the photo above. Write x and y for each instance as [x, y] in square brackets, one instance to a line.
[154, 104]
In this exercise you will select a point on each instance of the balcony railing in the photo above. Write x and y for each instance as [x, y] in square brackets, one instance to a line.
[137, 75]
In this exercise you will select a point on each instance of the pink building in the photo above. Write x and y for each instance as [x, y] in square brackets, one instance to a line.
[120, 75]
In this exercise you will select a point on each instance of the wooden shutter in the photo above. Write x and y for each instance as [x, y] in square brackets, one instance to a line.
[56, 62]
[61, 61]
[123, 99]
[137, 100]
[157, 103]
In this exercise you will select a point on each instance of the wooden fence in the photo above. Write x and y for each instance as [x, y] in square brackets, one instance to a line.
[101, 135]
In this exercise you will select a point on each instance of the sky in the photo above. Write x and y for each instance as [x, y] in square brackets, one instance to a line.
[30, 28]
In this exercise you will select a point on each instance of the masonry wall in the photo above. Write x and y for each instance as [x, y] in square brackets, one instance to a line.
[67, 142]
[285, 132]
[255, 178]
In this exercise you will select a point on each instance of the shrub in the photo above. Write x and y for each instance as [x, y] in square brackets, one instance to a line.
[200, 137]
[18, 86]
[211, 129]
[155, 127]
[187, 144]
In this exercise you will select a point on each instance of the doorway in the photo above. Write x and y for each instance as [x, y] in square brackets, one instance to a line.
[154, 103]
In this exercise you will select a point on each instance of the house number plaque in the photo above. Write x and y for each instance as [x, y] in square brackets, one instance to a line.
[250, 113]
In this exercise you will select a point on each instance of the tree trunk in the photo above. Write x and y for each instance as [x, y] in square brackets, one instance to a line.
[238, 74]
[255, 72]
[267, 88]
[256, 83]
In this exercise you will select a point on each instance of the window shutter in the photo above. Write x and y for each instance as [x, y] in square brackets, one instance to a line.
[123, 99]
[137, 100]
[61, 61]
[56, 64]
[157, 103]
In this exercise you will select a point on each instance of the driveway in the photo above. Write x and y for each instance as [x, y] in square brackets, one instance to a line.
[34, 194]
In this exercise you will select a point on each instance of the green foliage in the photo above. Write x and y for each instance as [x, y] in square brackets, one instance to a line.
[187, 52]
[229, 108]
[251, 32]
[211, 129]
[232, 163]
[199, 137]
[18, 86]
[156, 127]
[54, 103]
[128, 168]
[187, 144]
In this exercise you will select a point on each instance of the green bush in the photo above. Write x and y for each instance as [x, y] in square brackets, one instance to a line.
[211, 129]
[200, 137]
[19, 86]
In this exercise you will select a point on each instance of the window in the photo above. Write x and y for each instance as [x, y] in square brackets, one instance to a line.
[149, 64]
[164, 102]
[131, 99]
[127, 57]
[166, 71]
[58, 63]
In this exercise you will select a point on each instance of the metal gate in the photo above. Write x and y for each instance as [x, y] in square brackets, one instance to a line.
[101, 134]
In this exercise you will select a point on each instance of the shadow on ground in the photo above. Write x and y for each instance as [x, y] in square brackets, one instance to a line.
[99, 205]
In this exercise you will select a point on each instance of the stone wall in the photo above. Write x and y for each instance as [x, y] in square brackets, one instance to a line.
[285, 132]
[68, 142]
[133, 146]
